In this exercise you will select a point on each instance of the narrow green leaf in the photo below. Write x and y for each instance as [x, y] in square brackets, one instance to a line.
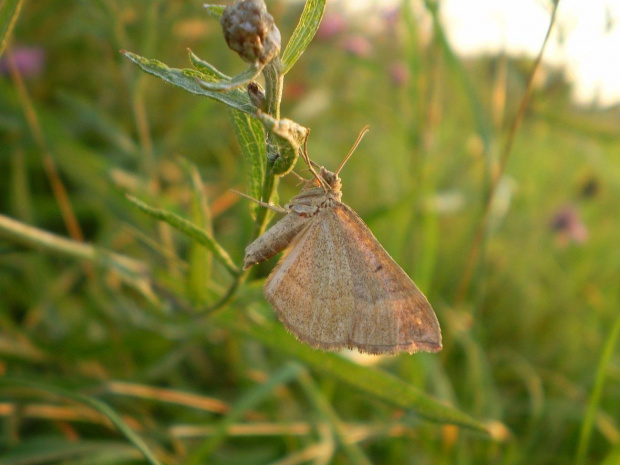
[235, 82]
[187, 79]
[190, 230]
[215, 11]
[9, 11]
[597, 392]
[206, 68]
[304, 32]
[251, 136]
[374, 382]
[200, 257]
[248, 401]
[95, 404]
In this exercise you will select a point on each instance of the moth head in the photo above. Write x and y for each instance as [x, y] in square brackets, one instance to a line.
[332, 180]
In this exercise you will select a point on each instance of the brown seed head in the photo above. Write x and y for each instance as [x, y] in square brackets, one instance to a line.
[251, 32]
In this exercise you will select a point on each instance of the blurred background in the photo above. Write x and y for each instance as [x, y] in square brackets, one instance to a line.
[525, 282]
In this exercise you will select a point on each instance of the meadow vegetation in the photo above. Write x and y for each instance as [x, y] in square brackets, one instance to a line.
[146, 347]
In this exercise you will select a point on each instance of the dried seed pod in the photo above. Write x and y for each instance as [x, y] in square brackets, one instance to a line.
[251, 32]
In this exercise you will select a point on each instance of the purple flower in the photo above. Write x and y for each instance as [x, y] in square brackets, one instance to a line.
[568, 226]
[357, 45]
[29, 61]
[331, 26]
[399, 72]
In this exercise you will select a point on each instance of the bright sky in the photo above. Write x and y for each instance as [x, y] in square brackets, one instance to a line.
[586, 40]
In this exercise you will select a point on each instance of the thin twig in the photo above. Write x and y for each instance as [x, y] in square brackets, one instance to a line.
[479, 235]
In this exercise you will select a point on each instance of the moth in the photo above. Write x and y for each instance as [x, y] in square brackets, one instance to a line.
[336, 286]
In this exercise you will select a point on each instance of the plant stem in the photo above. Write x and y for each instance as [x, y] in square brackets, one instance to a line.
[274, 83]
[480, 234]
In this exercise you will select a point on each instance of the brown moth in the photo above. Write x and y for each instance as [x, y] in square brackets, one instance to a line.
[336, 286]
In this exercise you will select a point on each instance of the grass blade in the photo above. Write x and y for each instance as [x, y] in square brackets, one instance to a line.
[304, 32]
[95, 404]
[191, 230]
[9, 12]
[377, 383]
[595, 397]
[245, 403]
[132, 271]
[48, 450]
[200, 258]
[353, 451]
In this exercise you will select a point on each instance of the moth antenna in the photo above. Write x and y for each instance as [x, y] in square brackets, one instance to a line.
[310, 163]
[270, 206]
[363, 132]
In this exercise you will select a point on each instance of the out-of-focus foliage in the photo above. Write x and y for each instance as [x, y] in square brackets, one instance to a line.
[524, 341]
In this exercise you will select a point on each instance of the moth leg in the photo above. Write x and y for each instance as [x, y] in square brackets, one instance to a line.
[270, 206]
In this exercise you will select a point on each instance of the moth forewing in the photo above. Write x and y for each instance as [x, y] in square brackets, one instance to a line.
[337, 287]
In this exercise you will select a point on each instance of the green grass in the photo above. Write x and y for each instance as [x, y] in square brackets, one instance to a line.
[146, 345]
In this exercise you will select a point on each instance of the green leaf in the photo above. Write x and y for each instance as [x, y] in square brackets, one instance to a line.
[206, 68]
[191, 230]
[200, 258]
[289, 136]
[304, 32]
[245, 403]
[215, 11]
[251, 136]
[188, 79]
[236, 82]
[368, 380]
[95, 404]
[9, 11]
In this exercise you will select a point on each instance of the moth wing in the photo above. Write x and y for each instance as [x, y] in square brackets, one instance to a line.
[338, 287]
[311, 288]
[391, 314]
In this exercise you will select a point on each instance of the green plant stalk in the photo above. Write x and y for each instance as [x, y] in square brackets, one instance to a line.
[480, 234]
[274, 83]
[595, 397]
[9, 12]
